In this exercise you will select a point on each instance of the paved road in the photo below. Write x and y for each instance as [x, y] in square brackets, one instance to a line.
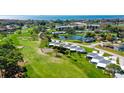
[121, 58]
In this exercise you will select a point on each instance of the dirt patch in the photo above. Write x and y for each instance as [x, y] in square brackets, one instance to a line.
[55, 60]
[41, 52]
[44, 51]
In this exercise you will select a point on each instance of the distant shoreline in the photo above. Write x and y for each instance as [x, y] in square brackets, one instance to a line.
[60, 17]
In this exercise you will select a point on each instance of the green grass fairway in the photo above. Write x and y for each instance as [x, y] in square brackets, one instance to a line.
[42, 66]
[45, 66]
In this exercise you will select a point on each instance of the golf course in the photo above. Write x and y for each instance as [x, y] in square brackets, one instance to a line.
[40, 65]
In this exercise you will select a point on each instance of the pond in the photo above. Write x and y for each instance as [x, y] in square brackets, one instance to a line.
[72, 37]
[77, 37]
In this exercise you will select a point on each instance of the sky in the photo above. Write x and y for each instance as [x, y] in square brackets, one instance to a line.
[60, 7]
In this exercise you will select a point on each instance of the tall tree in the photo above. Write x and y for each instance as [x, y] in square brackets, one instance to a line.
[9, 58]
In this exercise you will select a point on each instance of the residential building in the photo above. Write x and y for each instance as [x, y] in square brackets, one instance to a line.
[103, 63]
[91, 55]
[96, 59]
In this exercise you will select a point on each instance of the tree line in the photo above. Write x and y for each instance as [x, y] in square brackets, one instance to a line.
[9, 58]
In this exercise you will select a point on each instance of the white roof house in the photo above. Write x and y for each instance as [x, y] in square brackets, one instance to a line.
[91, 55]
[53, 40]
[81, 50]
[73, 48]
[67, 46]
[96, 59]
[103, 63]
[51, 44]
[57, 41]
[62, 44]
[57, 44]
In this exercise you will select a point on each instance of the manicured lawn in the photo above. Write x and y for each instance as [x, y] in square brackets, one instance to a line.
[45, 66]
[89, 69]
